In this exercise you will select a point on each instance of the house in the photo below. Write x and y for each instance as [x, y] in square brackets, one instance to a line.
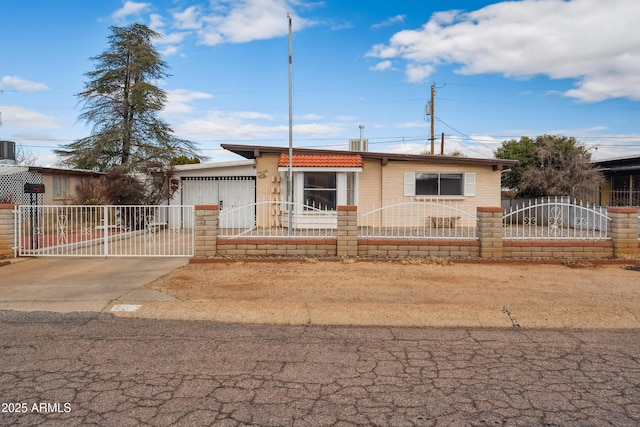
[622, 181]
[60, 184]
[324, 179]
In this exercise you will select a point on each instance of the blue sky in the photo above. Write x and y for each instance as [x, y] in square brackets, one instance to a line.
[502, 70]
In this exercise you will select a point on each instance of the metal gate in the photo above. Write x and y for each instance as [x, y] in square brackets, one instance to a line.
[124, 231]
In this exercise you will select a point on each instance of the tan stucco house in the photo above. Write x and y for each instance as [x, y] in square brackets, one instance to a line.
[329, 178]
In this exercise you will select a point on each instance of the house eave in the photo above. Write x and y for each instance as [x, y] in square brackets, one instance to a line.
[220, 165]
[253, 151]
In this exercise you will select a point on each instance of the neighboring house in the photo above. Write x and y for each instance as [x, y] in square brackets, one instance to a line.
[622, 181]
[325, 179]
[60, 184]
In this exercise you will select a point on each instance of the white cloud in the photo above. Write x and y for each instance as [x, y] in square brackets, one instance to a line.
[339, 26]
[169, 50]
[590, 41]
[156, 22]
[172, 38]
[130, 8]
[221, 124]
[178, 100]
[188, 19]
[23, 118]
[240, 21]
[21, 85]
[309, 117]
[388, 22]
[382, 66]
[318, 129]
[252, 115]
[407, 148]
[416, 73]
[248, 125]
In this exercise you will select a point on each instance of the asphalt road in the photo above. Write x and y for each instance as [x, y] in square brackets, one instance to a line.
[93, 369]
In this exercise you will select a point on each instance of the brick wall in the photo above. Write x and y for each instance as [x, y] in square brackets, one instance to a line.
[624, 232]
[490, 244]
[418, 248]
[6, 230]
[557, 249]
[206, 231]
[276, 246]
[347, 241]
[490, 232]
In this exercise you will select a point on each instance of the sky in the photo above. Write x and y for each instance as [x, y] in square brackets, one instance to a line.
[500, 70]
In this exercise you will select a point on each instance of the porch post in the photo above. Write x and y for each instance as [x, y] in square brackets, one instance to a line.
[206, 230]
[624, 232]
[490, 231]
[7, 228]
[347, 239]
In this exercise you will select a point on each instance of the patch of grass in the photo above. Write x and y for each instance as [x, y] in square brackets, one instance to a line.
[579, 264]
[440, 261]
[412, 261]
[348, 261]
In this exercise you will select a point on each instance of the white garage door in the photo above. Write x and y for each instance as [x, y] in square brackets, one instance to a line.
[237, 193]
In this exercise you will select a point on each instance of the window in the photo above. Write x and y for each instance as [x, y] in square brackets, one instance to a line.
[60, 187]
[320, 190]
[439, 184]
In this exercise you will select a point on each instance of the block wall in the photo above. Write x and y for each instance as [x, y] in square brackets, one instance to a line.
[6, 230]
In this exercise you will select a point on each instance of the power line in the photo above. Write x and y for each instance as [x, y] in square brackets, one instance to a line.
[463, 134]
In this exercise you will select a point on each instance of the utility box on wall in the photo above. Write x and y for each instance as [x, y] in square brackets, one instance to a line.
[8, 152]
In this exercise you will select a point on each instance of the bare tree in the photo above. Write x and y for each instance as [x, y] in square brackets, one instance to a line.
[25, 156]
[563, 166]
[549, 166]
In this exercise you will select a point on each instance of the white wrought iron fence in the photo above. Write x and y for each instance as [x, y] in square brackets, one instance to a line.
[104, 230]
[270, 218]
[419, 219]
[555, 218]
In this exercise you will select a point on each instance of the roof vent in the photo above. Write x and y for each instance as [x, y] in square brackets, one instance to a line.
[359, 144]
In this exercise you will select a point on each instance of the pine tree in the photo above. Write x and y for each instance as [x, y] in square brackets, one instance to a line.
[121, 103]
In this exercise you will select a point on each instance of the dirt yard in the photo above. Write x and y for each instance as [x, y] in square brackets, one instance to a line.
[538, 295]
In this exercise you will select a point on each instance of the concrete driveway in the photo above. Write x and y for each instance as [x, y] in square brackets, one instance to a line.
[81, 284]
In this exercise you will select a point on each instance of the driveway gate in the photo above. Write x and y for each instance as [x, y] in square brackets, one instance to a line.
[104, 230]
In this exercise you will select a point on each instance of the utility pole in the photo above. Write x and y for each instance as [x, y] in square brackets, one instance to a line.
[433, 111]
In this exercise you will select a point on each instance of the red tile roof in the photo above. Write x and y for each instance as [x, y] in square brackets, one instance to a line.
[322, 161]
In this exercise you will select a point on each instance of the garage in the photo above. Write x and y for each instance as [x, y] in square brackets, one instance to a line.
[231, 186]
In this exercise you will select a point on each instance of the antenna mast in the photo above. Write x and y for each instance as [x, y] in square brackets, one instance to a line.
[290, 169]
